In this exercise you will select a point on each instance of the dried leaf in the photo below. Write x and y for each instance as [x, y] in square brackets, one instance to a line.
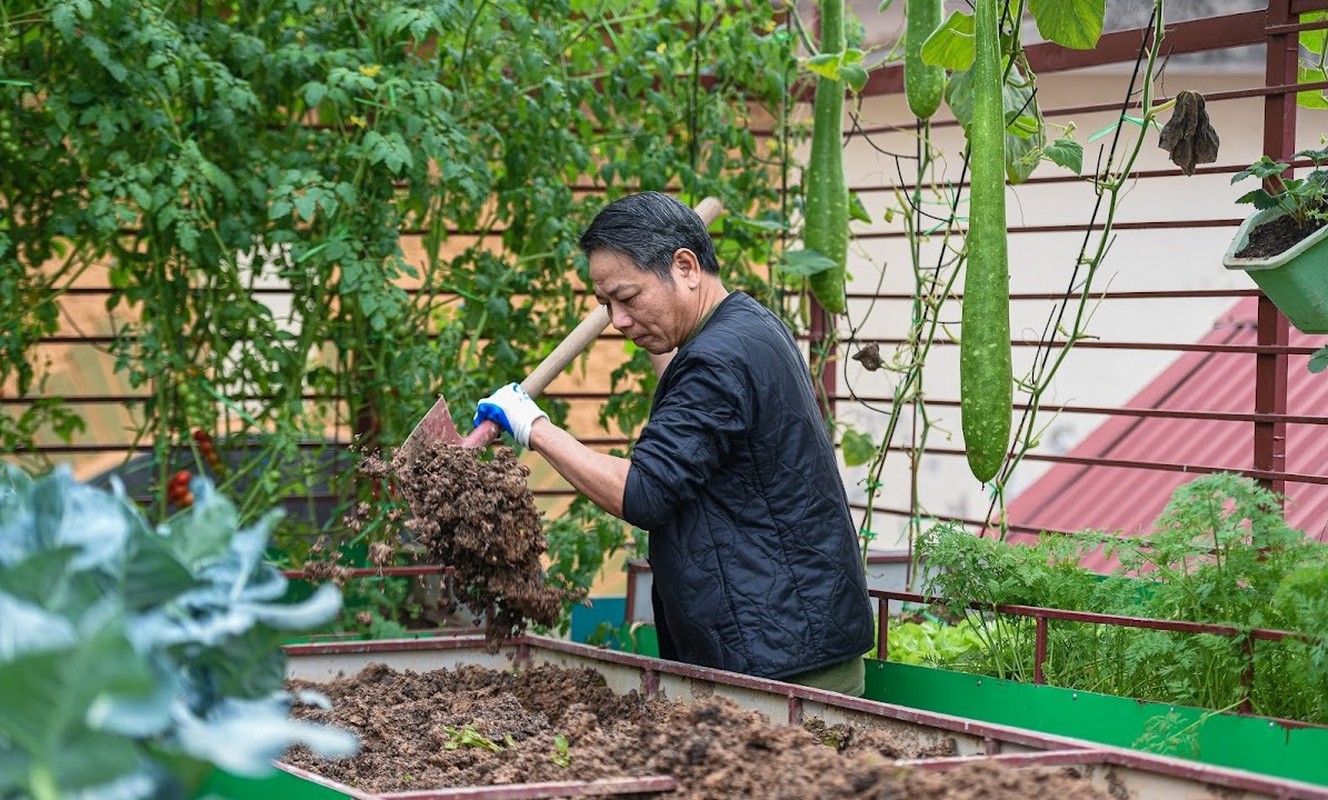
[1189, 136]
[869, 356]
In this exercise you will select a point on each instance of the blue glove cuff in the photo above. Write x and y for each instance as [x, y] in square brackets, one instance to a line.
[495, 413]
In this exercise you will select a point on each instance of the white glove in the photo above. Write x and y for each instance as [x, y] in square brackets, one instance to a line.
[513, 410]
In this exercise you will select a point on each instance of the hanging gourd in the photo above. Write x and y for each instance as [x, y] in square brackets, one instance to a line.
[924, 83]
[985, 370]
[825, 227]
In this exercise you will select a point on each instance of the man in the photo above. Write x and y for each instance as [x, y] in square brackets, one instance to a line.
[752, 546]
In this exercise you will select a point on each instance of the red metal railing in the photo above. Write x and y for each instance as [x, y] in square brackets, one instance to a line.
[1042, 615]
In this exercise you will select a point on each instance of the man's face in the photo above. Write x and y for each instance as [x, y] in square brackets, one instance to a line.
[645, 308]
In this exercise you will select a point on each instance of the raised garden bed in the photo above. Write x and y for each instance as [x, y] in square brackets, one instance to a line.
[436, 716]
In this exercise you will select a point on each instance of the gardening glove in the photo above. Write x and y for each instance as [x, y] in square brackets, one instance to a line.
[513, 410]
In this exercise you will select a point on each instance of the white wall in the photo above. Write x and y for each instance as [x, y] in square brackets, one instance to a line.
[1138, 260]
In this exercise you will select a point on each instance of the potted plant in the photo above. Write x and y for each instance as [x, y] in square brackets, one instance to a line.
[1282, 245]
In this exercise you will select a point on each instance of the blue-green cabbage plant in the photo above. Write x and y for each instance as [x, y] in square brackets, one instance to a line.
[133, 658]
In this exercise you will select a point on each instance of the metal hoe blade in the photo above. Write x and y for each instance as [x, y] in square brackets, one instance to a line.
[436, 426]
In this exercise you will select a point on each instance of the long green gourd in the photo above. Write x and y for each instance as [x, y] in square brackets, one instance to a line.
[825, 229]
[985, 371]
[923, 83]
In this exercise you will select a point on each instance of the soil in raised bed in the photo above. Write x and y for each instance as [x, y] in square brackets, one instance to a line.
[472, 511]
[473, 726]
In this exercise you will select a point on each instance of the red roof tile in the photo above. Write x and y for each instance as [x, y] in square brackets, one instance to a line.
[1072, 497]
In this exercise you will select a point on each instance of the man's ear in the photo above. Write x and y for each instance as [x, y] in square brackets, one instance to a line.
[688, 266]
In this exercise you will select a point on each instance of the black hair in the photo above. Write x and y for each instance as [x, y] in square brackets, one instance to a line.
[648, 228]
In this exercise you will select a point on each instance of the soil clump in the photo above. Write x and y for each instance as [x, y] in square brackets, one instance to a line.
[473, 726]
[472, 512]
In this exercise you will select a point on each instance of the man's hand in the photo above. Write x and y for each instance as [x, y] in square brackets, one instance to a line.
[513, 410]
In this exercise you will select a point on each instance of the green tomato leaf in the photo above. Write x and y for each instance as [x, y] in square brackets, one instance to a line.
[62, 17]
[951, 45]
[1076, 24]
[306, 206]
[857, 447]
[314, 92]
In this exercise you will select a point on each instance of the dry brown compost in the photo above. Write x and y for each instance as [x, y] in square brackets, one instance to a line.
[473, 726]
[472, 512]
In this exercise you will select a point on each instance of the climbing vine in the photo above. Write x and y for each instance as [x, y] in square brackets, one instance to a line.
[934, 210]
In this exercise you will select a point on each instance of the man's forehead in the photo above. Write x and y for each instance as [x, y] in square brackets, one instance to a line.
[606, 260]
[613, 272]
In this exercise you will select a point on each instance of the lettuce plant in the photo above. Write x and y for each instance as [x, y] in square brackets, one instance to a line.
[134, 658]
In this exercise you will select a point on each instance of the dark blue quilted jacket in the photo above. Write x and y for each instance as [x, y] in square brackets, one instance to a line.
[752, 547]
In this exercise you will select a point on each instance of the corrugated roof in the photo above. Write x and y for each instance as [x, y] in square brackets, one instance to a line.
[1072, 497]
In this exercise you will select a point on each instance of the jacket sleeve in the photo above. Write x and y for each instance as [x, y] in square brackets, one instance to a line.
[693, 427]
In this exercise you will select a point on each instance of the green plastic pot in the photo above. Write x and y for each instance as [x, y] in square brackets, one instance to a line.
[1296, 280]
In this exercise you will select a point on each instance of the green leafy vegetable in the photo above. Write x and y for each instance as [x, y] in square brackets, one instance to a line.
[1302, 199]
[1220, 552]
[931, 643]
[133, 657]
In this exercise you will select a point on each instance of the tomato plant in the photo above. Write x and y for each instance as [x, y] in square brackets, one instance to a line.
[309, 224]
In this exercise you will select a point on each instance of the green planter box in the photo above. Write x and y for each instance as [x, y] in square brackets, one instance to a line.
[278, 785]
[1256, 744]
[1295, 280]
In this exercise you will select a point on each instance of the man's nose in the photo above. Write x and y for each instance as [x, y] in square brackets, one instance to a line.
[618, 316]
